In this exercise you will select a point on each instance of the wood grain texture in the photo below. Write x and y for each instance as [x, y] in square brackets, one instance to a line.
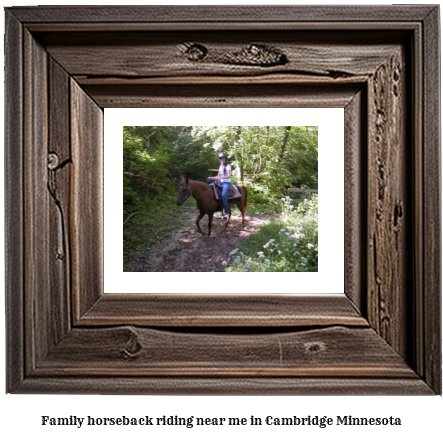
[288, 386]
[64, 335]
[387, 203]
[418, 243]
[226, 96]
[206, 310]
[14, 203]
[431, 316]
[222, 14]
[355, 196]
[129, 351]
[38, 306]
[86, 200]
[170, 54]
[59, 166]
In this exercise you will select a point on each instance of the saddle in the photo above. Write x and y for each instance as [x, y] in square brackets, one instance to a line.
[234, 192]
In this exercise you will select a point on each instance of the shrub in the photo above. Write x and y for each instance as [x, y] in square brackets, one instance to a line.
[289, 244]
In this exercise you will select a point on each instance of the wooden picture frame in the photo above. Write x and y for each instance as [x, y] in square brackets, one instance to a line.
[65, 64]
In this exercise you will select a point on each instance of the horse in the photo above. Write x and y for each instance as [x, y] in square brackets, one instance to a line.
[206, 204]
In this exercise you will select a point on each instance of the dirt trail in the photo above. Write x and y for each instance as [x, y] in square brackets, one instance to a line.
[189, 251]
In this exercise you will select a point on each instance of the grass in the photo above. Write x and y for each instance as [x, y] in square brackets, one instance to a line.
[259, 205]
[154, 224]
[289, 244]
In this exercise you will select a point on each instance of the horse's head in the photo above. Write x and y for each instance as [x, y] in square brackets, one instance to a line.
[184, 192]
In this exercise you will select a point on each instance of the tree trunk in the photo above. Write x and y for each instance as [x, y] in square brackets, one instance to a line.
[284, 140]
[260, 167]
[238, 153]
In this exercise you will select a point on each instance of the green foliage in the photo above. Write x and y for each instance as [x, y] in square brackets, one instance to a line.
[155, 156]
[287, 245]
[153, 225]
[267, 159]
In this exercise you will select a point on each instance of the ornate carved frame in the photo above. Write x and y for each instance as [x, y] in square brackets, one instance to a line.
[64, 65]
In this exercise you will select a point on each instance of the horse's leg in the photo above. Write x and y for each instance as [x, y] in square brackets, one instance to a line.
[197, 222]
[242, 211]
[242, 205]
[228, 219]
[210, 215]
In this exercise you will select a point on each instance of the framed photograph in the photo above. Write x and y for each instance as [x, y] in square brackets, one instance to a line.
[279, 233]
[378, 333]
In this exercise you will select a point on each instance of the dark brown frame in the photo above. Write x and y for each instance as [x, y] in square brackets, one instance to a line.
[64, 65]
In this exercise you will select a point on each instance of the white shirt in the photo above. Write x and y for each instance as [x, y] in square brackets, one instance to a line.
[224, 170]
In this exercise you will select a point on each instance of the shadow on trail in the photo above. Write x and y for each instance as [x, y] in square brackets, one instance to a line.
[188, 251]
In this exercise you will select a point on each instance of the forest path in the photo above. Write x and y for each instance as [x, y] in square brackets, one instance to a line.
[188, 251]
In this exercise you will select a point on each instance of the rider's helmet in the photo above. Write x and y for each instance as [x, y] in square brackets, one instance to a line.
[222, 155]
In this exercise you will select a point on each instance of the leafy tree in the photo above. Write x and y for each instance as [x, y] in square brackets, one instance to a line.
[269, 159]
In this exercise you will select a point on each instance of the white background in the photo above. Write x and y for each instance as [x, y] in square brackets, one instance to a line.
[21, 414]
[328, 279]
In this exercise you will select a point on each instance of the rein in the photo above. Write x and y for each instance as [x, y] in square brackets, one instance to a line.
[198, 197]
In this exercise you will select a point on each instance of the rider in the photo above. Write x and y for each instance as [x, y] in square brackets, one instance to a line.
[224, 176]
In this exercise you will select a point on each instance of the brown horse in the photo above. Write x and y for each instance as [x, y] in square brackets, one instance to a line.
[203, 194]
